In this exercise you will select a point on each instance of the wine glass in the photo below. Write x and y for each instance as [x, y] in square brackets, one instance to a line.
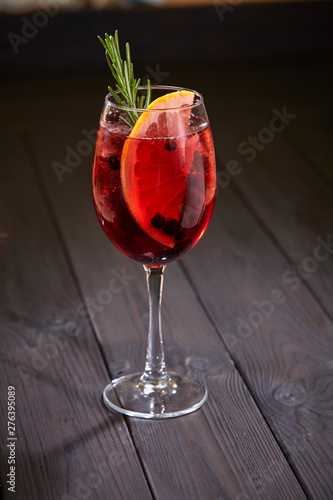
[154, 191]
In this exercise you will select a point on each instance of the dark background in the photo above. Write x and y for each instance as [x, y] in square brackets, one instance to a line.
[198, 36]
[266, 430]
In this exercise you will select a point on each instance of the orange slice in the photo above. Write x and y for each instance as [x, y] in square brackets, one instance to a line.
[155, 163]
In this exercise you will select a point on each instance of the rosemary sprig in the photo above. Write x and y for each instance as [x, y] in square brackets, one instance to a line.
[123, 74]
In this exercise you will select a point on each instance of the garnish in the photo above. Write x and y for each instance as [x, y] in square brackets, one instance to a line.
[123, 73]
[154, 191]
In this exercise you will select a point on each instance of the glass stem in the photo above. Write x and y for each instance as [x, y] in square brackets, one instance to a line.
[155, 372]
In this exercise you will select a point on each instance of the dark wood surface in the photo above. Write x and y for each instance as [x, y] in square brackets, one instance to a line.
[266, 431]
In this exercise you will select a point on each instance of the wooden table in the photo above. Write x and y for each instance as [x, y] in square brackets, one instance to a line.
[248, 312]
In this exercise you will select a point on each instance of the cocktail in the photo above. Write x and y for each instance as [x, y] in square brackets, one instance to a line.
[154, 183]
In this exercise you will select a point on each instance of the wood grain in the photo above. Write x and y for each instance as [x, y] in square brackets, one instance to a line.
[311, 136]
[65, 447]
[195, 457]
[298, 194]
[283, 350]
[260, 339]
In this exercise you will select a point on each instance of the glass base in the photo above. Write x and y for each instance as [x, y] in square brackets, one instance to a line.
[175, 396]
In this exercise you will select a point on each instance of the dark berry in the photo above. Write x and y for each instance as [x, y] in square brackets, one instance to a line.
[196, 99]
[171, 227]
[158, 221]
[112, 116]
[114, 163]
[180, 236]
[170, 145]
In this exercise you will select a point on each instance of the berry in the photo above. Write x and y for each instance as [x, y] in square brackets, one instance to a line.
[180, 236]
[114, 163]
[170, 145]
[158, 221]
[171, 227]
[112, 116]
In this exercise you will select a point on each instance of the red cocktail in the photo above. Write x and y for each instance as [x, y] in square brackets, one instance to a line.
[154, 185]
[159, 209]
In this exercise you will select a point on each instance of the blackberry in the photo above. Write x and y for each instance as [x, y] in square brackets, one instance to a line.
[170, 145]
[114, 163]
[180, 236]
[112, 116]
[158, 221]
[171, 227]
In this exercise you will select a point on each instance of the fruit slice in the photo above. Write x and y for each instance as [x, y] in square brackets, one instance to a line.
[155, 164]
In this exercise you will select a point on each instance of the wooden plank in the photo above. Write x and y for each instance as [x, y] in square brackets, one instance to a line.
[282, 349]
[291, 199]
[223, 450]
[307, 87]
[297, 208]
[311, 136]
[66, 447]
